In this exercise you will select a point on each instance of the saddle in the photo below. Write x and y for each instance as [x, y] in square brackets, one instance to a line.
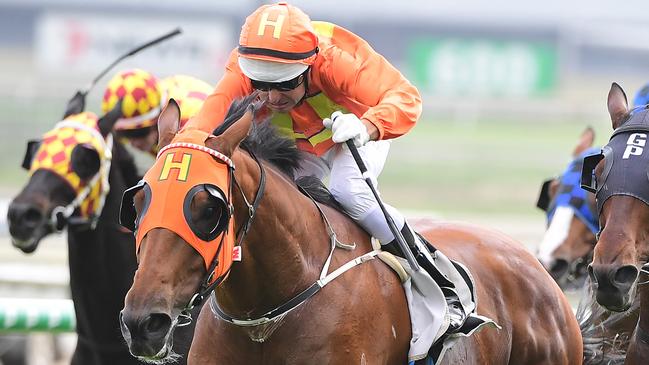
[441, 298]
[446, 288]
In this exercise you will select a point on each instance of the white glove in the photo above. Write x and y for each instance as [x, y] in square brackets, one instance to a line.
[346, 127]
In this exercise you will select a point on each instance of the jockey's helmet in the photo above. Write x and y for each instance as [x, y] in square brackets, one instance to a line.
[142, 96]
[642, 96]
[277, 43]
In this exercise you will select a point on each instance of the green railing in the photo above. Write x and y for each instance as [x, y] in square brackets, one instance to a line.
[36, 315]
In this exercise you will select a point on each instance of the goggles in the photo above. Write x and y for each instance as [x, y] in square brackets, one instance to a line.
[279, 86]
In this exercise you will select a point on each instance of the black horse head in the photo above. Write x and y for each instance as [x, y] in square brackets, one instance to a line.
[69, 170]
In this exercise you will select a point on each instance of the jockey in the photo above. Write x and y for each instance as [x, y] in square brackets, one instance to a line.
[641, 97]
[323, 85]
[144, 97]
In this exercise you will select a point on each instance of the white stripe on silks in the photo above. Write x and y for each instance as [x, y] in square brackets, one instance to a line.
[556, 234]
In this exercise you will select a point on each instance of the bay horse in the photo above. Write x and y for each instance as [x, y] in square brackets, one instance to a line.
[567, 245]
[266, 248]
[618, 177]
[566, 251]
[77, 179]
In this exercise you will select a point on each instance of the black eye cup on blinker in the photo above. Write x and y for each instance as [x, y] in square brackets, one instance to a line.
[30, 153]
[222, 208]
[128, 217]
[588, 180]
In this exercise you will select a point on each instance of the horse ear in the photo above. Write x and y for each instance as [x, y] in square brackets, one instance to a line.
[107, 121]
[76, 105]
[618, 106]
[229, 140]
[168, 123]
[585, 141]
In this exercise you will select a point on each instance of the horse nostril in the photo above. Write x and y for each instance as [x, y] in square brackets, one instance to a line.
[156, 325]
[626, 275]
[591, 274]
[32, 216]
[24, 214]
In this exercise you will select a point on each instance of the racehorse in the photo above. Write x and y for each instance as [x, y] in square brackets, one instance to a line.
[566, 251]
[77, 178]
[618, 176]
[267, 249]
[567, 245]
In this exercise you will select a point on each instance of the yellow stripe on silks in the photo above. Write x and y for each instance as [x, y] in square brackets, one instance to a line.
[323, 106]
[323, 29]
[320, 137]
[284, 125]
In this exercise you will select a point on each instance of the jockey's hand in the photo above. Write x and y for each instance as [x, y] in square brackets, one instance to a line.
[346, 127]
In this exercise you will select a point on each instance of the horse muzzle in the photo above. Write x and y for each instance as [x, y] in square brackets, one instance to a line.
[27, 225]
[614, 285]
[148, 337]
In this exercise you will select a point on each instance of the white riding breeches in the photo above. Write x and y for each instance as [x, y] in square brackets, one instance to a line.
[350, 189]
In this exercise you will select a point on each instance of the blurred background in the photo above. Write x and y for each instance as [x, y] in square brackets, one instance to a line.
[508, 87]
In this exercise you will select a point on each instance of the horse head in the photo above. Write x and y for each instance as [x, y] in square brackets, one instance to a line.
[567, 245]
[69, 170]
[182, 213]
[618, 176]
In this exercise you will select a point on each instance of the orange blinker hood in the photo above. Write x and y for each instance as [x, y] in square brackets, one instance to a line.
[182, 169]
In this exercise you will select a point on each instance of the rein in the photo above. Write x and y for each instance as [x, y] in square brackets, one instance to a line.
[275, 315]
[206, 287]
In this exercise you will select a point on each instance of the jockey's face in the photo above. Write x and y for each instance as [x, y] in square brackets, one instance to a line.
[282, 99]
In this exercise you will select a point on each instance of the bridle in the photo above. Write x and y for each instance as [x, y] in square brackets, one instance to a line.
[207, 285]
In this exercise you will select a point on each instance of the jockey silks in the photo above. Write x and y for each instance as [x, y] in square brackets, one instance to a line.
[570, 194]
[347, 75]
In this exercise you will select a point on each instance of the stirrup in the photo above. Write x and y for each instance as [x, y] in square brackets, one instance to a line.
[456, 315]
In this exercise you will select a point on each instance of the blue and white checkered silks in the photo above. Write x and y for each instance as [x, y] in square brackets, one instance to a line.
[570, 194]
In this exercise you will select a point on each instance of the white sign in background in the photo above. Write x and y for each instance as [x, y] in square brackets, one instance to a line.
[76, 43]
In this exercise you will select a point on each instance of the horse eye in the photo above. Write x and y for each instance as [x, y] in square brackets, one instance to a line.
[209, 212]
[209, 218]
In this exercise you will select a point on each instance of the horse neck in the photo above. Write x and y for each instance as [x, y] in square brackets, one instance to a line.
[278, 252]
[102, 260]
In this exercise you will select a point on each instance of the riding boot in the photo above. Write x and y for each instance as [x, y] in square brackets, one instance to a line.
[422, 254]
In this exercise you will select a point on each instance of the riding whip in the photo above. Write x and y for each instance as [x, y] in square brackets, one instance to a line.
[78, 102]
[393, 227]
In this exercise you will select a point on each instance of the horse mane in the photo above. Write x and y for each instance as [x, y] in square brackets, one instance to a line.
[594, 320]
[265, 142]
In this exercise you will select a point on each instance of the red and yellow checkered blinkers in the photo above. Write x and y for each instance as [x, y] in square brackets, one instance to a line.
[55, 154]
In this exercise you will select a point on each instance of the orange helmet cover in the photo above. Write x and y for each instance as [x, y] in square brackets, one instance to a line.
[279, 32]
